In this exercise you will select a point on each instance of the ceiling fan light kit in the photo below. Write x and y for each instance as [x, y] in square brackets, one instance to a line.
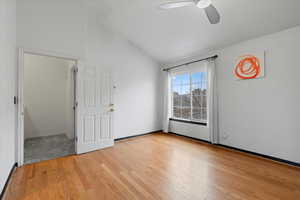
[203, 3]
[210, 11]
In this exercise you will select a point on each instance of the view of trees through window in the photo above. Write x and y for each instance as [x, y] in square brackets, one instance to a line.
[189, 93]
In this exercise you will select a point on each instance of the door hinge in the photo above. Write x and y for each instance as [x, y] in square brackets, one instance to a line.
[76, 69]
[15, 100]
[76, 139]
[75, 105]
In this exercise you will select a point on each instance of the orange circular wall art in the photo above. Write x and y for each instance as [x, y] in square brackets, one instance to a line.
[248, 67]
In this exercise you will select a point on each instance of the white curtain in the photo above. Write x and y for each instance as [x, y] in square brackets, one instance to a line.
[167, 102]
[213, 116]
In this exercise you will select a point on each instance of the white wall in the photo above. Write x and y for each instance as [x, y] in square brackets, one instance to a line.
[191, 130]
[63, 26]
[262, 115]
[66, 26]
[137, 78]
[7, 87]
[47, 94]
[56, 25]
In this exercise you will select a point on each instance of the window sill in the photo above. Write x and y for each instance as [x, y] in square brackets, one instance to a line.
[188, 122]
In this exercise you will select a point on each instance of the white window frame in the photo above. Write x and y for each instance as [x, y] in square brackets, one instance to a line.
[189, 72]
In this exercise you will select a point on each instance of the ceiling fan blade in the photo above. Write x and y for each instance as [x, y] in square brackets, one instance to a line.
[178, 4]
[212, 14]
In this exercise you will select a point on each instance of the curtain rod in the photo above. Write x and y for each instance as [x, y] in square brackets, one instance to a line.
[208, 58]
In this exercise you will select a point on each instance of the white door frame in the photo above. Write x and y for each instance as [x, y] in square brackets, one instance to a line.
[20, 84]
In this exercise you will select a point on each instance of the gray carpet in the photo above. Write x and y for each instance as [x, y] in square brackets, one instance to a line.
[49, 147]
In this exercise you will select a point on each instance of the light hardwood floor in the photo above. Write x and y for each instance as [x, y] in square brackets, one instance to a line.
[157, 166]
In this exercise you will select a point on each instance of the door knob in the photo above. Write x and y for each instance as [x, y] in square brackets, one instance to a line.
[111, 110]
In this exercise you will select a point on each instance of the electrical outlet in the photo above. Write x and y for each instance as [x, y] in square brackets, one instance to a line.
[225, 136]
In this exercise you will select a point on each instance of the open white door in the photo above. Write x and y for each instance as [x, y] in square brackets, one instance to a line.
[94, 110]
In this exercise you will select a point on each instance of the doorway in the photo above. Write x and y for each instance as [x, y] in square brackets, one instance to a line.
[83, 122]
[48, 107]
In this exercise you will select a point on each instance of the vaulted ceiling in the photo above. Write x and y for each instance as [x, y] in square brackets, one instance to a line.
[169, 36]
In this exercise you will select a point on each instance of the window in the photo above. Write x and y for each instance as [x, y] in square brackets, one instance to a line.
[189, 96]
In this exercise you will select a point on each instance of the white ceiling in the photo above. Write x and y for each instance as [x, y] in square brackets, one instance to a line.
[172, 35]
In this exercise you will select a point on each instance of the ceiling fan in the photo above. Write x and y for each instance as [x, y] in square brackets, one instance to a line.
[211, 12]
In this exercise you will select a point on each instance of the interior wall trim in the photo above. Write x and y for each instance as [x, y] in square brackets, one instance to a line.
[201, 140]
[188, 122]
[262, 155]
[7, 180]
[280, 160]
[124, 138]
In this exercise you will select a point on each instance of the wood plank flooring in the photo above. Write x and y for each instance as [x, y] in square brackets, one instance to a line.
[157, 166]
